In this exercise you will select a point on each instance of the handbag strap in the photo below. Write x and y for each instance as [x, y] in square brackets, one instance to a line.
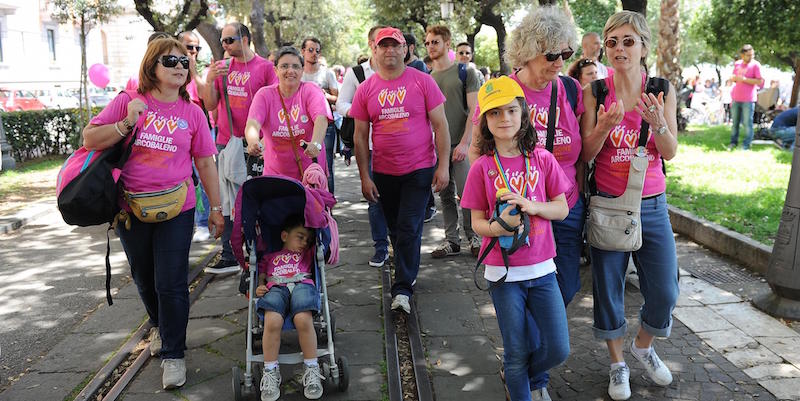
[551, 117]
[291, 133]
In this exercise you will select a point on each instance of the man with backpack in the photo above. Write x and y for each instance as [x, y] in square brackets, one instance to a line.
[460, 83]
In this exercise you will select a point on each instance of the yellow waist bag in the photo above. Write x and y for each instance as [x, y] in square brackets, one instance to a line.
[157, 206]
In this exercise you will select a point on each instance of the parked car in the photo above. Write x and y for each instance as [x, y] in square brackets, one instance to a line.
[97, 97]
[57, 99]
[18, 100]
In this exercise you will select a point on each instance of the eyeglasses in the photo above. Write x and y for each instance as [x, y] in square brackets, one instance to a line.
[287, 66]
[585, 62]
[313, 50]
[564, 55]
[432, 42]
[193, 47]
[463, 53]
[171, 61]
[626, 41]
[229, 40]
[390, 45]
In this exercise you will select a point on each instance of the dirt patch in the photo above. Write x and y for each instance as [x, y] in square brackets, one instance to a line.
[27, 188]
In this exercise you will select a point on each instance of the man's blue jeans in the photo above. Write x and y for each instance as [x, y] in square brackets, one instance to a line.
[158, 254]
[742, 112]
[568, 234]
[785, 134]
[403, 199]
[377, 223]
[526, 368]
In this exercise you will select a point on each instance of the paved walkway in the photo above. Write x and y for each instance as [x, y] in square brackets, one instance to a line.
[721, 348]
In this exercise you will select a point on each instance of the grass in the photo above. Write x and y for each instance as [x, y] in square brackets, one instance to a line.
[31, 181]
[740, 190]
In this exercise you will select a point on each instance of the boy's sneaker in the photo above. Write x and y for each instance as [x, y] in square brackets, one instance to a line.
[656, 370]
[430, 214]
[540, 394]
[401, 301]
[271, 384]
[155, 341]
[201, 234]
[379, 258]
[223, 266]
[475, 247]
[312, 382]
[446, 249]
[174, 374]
[619, 386]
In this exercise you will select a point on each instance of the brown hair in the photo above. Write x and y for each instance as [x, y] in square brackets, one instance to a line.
[440, 30]
[148, 81]
[639, 25]
[576, 68]
[526, 136]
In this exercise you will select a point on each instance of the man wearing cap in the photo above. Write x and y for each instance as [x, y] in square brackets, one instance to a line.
[403, 104]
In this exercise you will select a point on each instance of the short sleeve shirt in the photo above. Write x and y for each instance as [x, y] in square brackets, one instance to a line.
[455, 109]
[285, 264]
[243, 81]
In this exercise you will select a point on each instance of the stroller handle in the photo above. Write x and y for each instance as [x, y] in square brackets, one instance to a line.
[304, 145]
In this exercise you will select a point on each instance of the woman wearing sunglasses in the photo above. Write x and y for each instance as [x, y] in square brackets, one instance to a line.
[610, 137]
[171, 133]
[584, 70]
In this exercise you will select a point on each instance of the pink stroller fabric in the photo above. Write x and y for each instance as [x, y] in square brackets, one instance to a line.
[314, 177]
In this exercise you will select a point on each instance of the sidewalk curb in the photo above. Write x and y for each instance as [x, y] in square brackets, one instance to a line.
[750, 253]
[25, 216]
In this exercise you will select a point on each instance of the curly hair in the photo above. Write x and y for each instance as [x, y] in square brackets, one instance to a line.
[543, 30]
[526, 136]
[637, 23]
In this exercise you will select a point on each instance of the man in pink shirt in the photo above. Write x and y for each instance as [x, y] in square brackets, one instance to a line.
[402, 104]
[747, 79]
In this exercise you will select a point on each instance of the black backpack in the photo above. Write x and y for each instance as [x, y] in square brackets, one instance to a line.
[348, 129]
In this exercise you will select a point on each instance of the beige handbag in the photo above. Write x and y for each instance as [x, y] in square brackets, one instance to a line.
[157, 206]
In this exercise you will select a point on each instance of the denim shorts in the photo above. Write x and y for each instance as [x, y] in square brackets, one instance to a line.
[304, 297]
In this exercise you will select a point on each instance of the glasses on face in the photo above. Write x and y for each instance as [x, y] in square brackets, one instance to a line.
[433, 42]
[584, 63]
[171, 61]
[626, 41]
[313, 50]
[464, 53]
[385, 45]
[229, 40]
[564, 55]
[289, 66]
[193, 47]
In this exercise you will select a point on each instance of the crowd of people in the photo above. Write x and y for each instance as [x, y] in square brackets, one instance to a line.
[508, 156]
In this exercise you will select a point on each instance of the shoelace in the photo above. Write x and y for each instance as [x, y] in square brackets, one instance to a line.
[309, 376]
[619, 373]
[651, 360]
[271, 378]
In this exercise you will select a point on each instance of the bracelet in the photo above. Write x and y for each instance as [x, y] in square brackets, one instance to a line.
[216, 208]
[127, 124]
[119, 131]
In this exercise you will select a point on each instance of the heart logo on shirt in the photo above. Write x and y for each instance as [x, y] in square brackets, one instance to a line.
[149, 119]
[237, 78]
[533, 180]
[541, 117]
[517, 183]
[401, 94]
[282, 116]
[616, 136]
[172, 124]
[295, 112]
[391, 97]
[382, 97]
[245, 77]
[232, 76]
[159, 124]
[631, 139]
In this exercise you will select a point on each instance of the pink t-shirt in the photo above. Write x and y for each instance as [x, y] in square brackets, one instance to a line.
[243, 80]
[402, 140]
[743, 92]
[286, 264]
[171, 135]
[567, 139]
[304, 107]
[613, 161]
[194, 96]
[547, 180]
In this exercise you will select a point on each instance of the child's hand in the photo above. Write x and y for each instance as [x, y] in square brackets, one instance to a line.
[527, 206]
[261, 290]
[512, 220]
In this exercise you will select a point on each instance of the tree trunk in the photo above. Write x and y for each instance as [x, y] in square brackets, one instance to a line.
[668, 44]
[471, 38]
[796, 86]
[211, 34]
[639, 6]
[257, 23]
[276, 28]
[86, 112]
[488, 17]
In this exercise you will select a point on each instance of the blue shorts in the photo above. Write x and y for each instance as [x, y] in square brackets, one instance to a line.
[304, 297]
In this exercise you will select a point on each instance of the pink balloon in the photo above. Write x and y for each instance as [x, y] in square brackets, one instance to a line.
[98, 75]
[452, 55]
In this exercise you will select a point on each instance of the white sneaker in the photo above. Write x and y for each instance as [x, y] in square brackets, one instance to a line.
[312, 382]
[656, 370]
[619, 386]
[174, 374]
[540, 394]
[155, 341]
[201, 234]
[271, 384]
[401, 301]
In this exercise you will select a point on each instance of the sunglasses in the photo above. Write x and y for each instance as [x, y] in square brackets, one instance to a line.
[193, 47]
[564, 55]
[584, 63]
[432, 42]
[229, 40]
[313, 50]
[464, 53]
[170, 61]
[626, 41]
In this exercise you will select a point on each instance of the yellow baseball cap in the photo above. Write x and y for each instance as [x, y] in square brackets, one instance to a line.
[498, 92]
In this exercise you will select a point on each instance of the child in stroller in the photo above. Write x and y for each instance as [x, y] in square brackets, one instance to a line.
[286, 289]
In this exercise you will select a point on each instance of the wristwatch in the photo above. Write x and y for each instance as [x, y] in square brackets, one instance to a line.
[661, 130]
[216, 208]
[317, 145]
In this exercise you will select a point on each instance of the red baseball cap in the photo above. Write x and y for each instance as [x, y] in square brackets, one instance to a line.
[390, 33]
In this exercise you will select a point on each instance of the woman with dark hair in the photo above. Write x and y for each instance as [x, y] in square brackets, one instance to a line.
[288, 115]
[627, 41]
[172, 133]
[583, 70]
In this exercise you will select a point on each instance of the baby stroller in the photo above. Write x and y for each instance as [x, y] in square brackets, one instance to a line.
[764, 113]
[262, 205]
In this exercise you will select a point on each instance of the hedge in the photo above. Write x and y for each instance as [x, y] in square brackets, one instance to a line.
[38, 133]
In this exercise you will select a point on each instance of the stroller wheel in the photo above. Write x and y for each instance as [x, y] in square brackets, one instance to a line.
[236, 381]
[344, 373]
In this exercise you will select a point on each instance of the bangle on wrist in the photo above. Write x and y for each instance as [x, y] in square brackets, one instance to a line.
[116, 127]
[128, 125]
[216, 208]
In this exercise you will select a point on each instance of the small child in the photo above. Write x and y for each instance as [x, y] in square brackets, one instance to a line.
[285, 288]
[525, 293]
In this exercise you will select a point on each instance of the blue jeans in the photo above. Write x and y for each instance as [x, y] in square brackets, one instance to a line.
[568, 234]
[526, 368]
[403, 199]
[158, 254]
[201, 218]
[657, 265]
[330, 149]
[304, 297]
[742, 112]
[785, 134]
[377, 223]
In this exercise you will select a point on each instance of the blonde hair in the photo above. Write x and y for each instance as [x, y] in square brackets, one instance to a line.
[147, 70]
[637, 23]
[543, 30]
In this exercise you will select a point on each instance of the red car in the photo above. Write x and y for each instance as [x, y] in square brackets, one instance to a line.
[18, 100]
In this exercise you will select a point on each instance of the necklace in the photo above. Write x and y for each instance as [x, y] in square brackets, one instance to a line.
[157, 108]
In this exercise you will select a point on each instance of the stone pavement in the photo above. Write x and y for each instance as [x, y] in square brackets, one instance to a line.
[720, 348]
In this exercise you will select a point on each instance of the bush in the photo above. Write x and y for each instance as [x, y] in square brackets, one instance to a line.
[38, 133]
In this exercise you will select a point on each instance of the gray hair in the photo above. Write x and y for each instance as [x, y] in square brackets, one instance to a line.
[542, 31]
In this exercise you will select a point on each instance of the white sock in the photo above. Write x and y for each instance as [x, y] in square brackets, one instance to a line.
[269, 365]
[641, 352]
[618, 365]
[311, 362]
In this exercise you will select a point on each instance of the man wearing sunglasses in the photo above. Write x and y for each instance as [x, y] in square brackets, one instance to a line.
[593, 50]
[231, 85]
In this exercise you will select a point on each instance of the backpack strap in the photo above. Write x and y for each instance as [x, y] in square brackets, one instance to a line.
[599, 91]
[655, 85]
[462, 75]
[551, 117]
[572, 91]
[359, 71]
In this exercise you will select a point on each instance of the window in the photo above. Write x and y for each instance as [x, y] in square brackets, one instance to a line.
[51, 43]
